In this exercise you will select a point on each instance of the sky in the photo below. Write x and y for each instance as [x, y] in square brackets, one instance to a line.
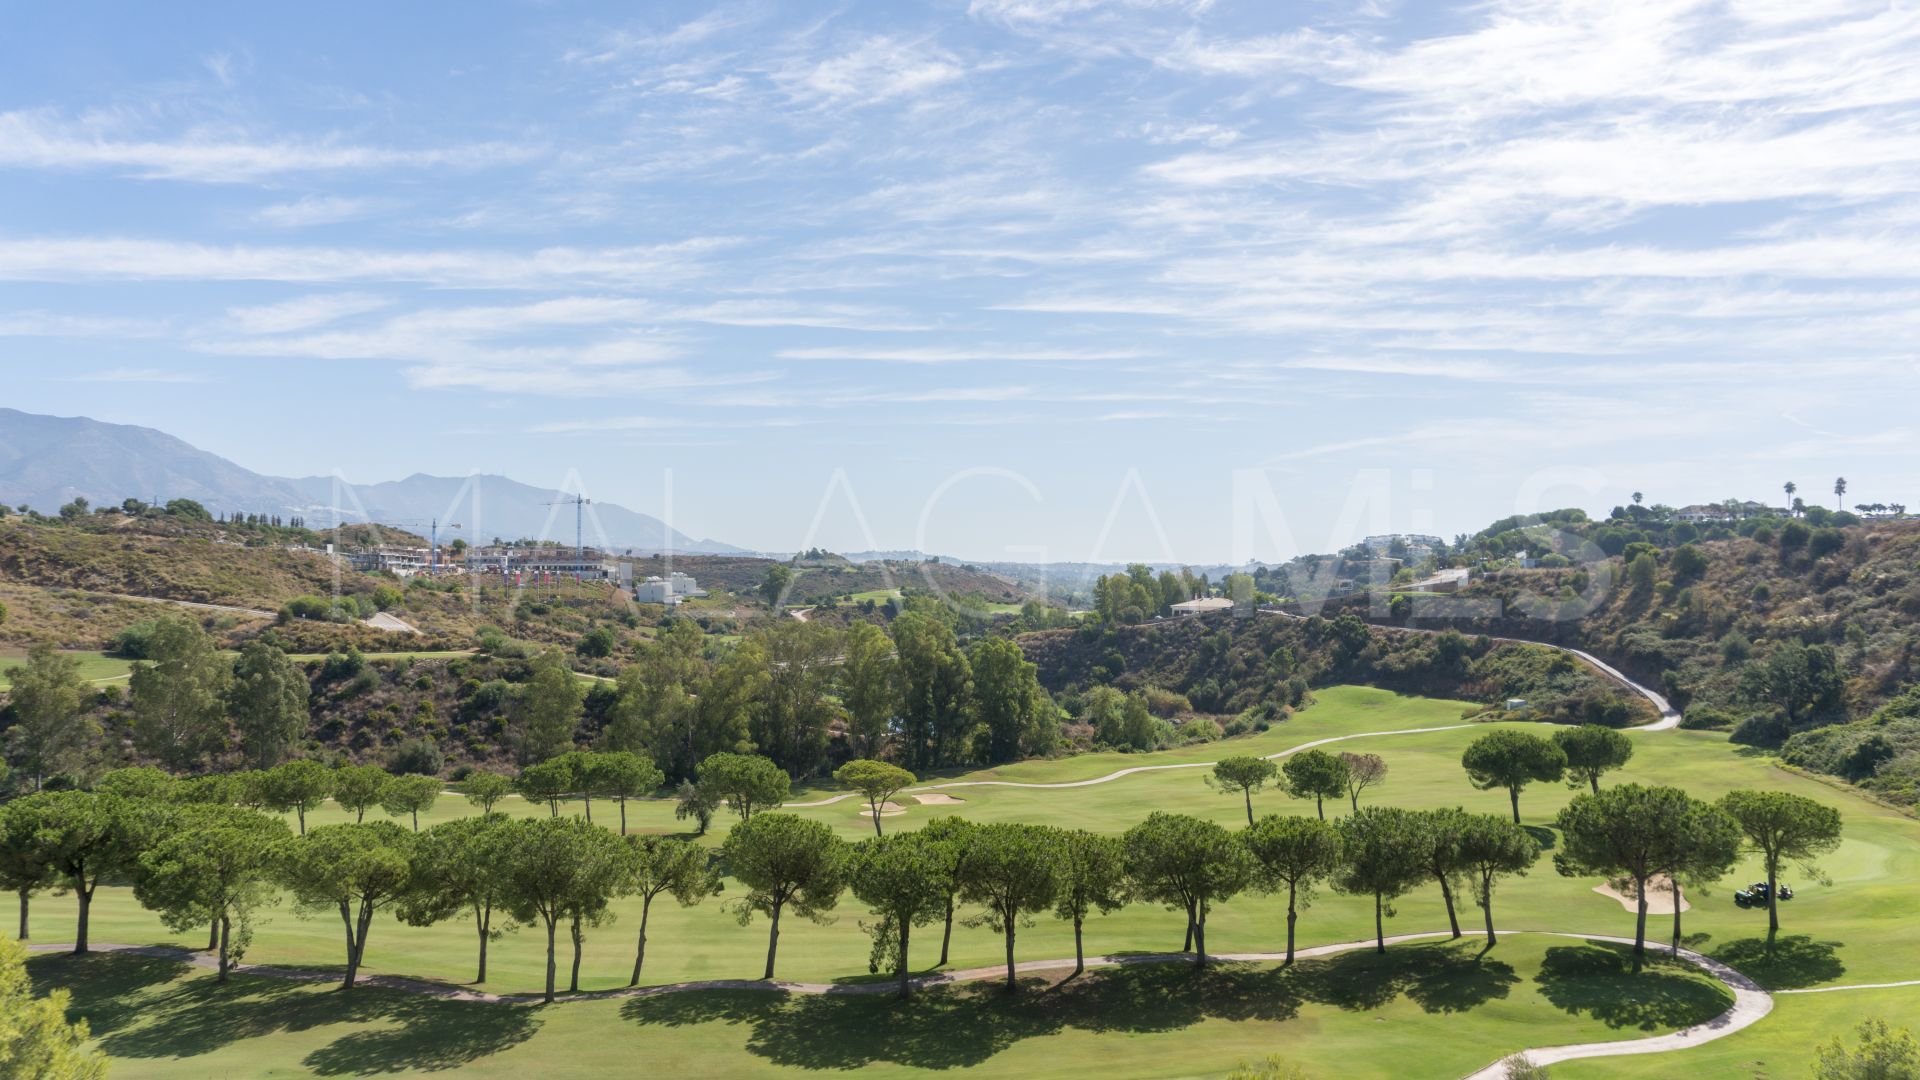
[1057, 280]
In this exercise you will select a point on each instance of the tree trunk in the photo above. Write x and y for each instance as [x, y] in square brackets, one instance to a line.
[1486, 906]
[1513, 793]
[416, 821]
[1354, 797]
[1200, 938]
[360, 941]
[1593, 778]
[346, 920]
[1640, 924]
[482, 923]
[1012, 986]
[213, 933]
[573, 980]
[1186, 943]
[1676, 915]
[225, 964]
[550, 967]
[1446, 893]
[947, 935]
[1320, 804]
[589, 801]
[1249, 794]
[25, 896]
[1079, 954]
[773, 941]
[623, 817]
[906, 985]
[86, 906]
[1293, 916]
[640, 950]
[875, 807]
[300, 812]
[1379, 925]
[1773, 898]
[360, 818]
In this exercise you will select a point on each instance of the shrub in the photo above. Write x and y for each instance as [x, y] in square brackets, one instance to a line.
[420, 756]
[344, 665]
[1825, 542]
[1766, 729]
[132, 642]
[1707, 718]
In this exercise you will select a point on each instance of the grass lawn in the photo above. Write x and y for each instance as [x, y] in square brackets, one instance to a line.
[95, 667]
[878, 596]
[1854, 929]
[1442, 1006]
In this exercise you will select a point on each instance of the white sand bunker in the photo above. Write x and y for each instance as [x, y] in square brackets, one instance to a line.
[887, 809]
[1659, 895]
[937, 798]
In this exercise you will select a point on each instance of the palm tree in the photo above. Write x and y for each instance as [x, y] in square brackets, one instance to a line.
[1839, 492]
[1790, 487]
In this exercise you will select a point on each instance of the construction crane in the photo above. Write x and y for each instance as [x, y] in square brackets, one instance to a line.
[433, 537]
[579, 504]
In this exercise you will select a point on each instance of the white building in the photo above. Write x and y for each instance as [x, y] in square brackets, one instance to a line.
[669, 590]
[1204, 605]
[1445, 581]
[1416, 546]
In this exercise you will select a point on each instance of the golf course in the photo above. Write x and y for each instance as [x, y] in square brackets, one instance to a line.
[1432, 1006]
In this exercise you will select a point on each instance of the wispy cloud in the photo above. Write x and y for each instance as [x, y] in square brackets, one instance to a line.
[44, 140]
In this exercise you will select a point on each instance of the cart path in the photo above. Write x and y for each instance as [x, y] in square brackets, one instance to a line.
[1854, 986]
[1669, 720]
[1750, 1004]
[1112, 776]
[1669, 716]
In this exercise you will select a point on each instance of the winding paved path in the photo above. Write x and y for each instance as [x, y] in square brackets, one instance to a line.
[1669, 720]
[1751, 1003]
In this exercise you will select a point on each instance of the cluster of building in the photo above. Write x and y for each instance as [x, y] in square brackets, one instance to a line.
[1732, 510]
[669, 590]
[1412, 547]
[520, 565]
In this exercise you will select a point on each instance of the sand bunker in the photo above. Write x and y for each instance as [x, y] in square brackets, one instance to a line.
[937, 798]
[887, 809]
[1659, 895]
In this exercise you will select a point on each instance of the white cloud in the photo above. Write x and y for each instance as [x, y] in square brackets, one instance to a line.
[301, 312]
[138, 375]
[877, 69]
[41, 139]
[946, 354]
[314, 210]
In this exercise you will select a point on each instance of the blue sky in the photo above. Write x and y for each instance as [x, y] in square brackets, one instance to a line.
[1062, 279]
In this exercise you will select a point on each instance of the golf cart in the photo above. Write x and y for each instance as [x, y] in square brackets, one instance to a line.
[1756, 895]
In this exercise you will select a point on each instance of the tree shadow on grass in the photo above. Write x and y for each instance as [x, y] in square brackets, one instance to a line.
[1543, 836]
[965, 1025]
[1784, 963]
[1598, 979]
[108, 988]
[406, 1031]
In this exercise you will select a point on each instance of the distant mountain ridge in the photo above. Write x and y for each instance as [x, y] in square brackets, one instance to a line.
[46, 461]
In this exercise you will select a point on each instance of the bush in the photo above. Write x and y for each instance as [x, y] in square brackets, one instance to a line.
[1794, 536]
[344, 665]
[1199, 729]
[419, 756]
[1688, 563]
[1825, 542]
[1707, 718]
[596, 644]
[1765, 729]
[132, 642]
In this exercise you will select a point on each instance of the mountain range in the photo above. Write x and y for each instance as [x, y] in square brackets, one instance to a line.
[47, 461]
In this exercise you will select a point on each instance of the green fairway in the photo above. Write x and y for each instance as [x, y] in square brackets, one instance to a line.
[95, 667]
[1443, 1006]
[1853, 929]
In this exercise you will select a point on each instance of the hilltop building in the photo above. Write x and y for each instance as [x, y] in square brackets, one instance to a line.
[669, 590]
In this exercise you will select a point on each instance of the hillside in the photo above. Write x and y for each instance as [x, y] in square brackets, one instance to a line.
[47, 461]
[1227, 665]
